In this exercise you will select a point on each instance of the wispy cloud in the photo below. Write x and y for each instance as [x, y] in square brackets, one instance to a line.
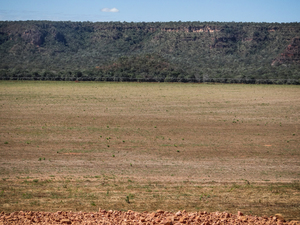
[114, 10]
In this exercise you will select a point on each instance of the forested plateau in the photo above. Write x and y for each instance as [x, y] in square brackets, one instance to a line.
[226, 52]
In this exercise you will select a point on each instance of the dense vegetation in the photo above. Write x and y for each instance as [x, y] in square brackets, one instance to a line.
[173, 51]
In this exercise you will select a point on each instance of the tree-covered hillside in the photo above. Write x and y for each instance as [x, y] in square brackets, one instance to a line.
[173, 51]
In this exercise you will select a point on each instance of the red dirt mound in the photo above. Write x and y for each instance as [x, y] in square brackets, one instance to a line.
[130, 217]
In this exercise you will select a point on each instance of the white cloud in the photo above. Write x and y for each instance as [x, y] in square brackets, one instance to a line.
[110, 10]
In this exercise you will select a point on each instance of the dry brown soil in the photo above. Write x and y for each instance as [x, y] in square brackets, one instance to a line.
[67, 146]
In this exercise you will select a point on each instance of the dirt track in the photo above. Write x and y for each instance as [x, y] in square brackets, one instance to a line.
[130, 217]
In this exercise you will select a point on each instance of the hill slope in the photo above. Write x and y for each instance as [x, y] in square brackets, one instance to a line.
[173, 51]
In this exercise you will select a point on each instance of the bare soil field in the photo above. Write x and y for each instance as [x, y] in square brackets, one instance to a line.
[67, 146]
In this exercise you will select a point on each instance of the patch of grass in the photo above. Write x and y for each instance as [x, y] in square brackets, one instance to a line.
[35, 203]
[127, 199]
[27, 195]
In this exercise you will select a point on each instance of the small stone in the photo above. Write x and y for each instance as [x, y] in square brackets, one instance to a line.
[183, 219]
[178, 213]
[167, 223]
[244, 218]
[67, 221]
[153, 215]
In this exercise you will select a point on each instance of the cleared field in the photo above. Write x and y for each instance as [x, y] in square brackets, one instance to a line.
[143, 146]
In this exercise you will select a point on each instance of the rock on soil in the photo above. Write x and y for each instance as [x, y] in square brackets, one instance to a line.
[130, 217]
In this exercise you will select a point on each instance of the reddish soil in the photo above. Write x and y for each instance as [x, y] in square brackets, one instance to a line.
[130, 217]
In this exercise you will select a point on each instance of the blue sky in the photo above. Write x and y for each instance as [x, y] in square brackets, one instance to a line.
[152, 11]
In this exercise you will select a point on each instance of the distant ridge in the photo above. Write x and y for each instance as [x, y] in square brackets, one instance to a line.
[168, 51]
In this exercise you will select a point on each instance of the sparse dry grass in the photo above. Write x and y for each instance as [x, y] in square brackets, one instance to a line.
[83, 144]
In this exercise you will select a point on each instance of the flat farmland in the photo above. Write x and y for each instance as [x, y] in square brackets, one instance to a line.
[145, 146]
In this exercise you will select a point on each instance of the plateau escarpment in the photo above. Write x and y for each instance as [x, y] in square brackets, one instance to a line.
[218, 52]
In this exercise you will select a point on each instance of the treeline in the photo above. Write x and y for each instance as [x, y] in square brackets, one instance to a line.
[79, 76]
[154, 68]
[183, 79]
[164, 52]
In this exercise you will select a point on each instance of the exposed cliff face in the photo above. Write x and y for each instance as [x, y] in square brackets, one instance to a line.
[33, 36]
[206, 29]
[290, 55]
